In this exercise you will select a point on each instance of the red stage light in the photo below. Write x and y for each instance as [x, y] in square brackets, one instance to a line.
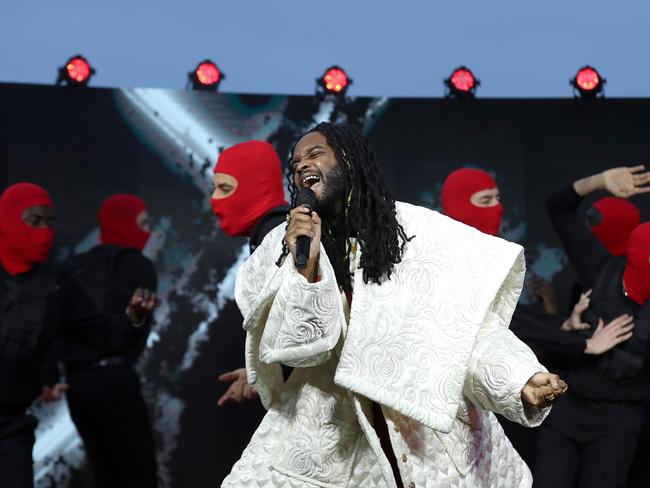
[335, 80]
[78, 69]
[588, 82]
[463, 80]
[76, 72]
[588, 79]
[206, 76]
[461, 83]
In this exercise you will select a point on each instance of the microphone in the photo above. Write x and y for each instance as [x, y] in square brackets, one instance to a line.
[307, 198]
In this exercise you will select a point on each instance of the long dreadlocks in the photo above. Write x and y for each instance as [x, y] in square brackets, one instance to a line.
[369, 213]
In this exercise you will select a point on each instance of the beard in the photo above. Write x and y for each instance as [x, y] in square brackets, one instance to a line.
[331, 199]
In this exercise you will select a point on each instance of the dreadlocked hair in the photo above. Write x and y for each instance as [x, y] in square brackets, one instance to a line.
[369, 212]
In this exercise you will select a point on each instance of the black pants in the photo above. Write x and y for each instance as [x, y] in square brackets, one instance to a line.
[16, 444]
[587, 444]
[640, 471]
[107, 407]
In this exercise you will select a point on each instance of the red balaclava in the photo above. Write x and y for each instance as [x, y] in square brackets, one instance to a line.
[118, 221]
[618, 218]
[637, 270]
[258, 171]
[457, 191]
[21, 246]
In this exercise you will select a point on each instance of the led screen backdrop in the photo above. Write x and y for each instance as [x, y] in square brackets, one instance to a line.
[86, 144]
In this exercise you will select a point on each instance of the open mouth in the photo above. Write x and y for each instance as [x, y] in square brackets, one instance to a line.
[309, 181]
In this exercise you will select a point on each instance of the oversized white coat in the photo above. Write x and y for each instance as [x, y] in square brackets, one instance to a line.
[431, 346]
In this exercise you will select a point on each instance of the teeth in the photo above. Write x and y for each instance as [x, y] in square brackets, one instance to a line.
[310, 180]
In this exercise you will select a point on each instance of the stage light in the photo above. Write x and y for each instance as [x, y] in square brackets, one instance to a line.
[335, 81]
[461, 84]
[588, 83]
[206, 76]
[75, 72]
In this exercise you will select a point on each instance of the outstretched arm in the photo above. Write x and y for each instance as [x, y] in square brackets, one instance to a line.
[544, 332]
[505, 377]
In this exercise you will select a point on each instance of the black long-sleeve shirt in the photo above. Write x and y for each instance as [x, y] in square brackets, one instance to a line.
[586, 253]
[130, 270]
[88, 334]
[542, 332]
[590, 377]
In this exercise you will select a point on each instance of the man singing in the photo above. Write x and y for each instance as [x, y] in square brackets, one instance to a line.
[397, 330]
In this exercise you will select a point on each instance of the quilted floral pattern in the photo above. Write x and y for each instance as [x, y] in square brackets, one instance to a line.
[431, 346]
[305, 320]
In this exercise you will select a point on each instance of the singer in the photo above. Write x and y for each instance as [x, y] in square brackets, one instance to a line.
[397, 330]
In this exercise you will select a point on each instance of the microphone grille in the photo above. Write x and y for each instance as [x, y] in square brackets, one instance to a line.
[306, 196]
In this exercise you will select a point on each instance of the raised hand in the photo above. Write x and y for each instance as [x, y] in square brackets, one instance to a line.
[542, 390]
[239, 391]
[626, 182]
[303, 222]
[606, 337]
[142, 304]
[574, 322]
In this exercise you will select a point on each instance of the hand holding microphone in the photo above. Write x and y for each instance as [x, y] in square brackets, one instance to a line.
[304, 233]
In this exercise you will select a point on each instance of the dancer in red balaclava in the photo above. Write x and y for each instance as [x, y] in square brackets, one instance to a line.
[114, 425]
[123, 221]
[26, 227]
[40, 303]
[636, 278]
[471, 196]
[248, 199]
[601, 441]
[611, 220]
[636, 282]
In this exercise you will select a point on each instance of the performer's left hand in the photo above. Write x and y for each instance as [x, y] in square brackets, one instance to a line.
[142, 304]
[542, 390]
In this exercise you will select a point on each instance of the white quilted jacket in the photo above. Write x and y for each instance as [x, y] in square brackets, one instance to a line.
[431, 346]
